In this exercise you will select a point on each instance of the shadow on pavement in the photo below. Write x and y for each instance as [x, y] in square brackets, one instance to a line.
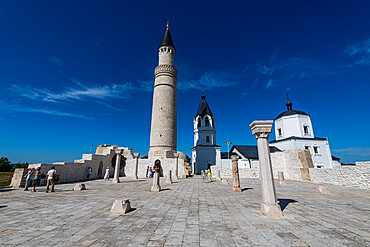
[284, 203]
[244, 189]
[6, 190]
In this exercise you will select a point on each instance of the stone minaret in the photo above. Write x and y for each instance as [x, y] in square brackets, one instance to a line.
[163, 134]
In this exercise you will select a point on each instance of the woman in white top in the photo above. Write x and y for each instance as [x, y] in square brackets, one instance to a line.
[106, 176]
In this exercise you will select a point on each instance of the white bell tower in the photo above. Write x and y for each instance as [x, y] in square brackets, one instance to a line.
[205, 151]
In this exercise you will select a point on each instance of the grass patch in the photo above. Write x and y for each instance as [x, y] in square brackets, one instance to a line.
[5, 179]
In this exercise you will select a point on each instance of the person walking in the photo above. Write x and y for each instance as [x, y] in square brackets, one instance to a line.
[89, 170]
[51, 179]
[209, 175]
[204, 177]
[29, 177]
[37, 178]
[106, 176]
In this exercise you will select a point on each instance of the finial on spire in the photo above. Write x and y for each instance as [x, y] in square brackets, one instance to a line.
[203, 96]
[168, 25]
[288, 103]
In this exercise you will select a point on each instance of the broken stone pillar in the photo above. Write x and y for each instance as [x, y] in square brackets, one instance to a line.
[323, 190]
[281, 178]
[169, 179]
[236, 181]
[121, 207]
[218, 175]
[176, 165]
[136, 156]
[156, 187]
[118, 163]
[261, 130]
[79, 187]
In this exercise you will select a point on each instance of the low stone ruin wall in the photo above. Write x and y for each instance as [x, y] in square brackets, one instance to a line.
[243, 172]
[351, 176]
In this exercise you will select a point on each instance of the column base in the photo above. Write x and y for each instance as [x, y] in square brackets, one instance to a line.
[237, 189]
[155, 188]
[271, 209]
[115, 181]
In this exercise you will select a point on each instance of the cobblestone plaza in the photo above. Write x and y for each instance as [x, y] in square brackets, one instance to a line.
[185, 213]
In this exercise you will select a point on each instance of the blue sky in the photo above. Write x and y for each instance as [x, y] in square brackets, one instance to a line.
[76, 73]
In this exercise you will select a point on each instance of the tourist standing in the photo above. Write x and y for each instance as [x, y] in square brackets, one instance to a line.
[106, 176]
[37, 178]
[51, 179]
[89, 170]
[29, 177]
[150, 172]
[147, 171]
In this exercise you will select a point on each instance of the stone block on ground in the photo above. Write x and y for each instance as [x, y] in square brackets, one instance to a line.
[224, 181]
[121, 207]
[79, 187]
[323, 190]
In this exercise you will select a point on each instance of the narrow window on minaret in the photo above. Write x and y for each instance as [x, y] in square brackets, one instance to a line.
[199, 123]
[207, 139]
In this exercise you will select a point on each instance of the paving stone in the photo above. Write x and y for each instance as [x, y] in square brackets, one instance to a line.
[186, 213]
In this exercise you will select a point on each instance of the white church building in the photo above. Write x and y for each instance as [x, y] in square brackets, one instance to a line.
[293, 130]
[205, 151]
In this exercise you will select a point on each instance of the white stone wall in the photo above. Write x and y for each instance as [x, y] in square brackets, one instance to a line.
[243, 172]
[323, 158]
[351, 176]
[166, 164]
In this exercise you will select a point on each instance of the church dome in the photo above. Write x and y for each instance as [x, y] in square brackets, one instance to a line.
[290, 110]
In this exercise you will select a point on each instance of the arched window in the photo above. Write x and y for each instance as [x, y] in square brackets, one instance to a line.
[207, 122]
[306, 130]
[199, 123]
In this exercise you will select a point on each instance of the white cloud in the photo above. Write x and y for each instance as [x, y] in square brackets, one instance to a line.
[210, 80]
[359, 151]
[19, 108]
[288, 70]
[359, 52]
[55, 60]
[82, 93]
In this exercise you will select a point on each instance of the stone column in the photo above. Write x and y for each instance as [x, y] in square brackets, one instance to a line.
[218, 174]
[118, 163]
[136, 156]
[169, 179]
[176, 165]
[281, 178]
[236, 181]
[261, 130]
[156, 187]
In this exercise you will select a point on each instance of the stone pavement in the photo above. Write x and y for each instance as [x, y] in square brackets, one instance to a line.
[186, 213]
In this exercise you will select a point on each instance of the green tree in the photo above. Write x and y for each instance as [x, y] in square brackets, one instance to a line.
[5, 165]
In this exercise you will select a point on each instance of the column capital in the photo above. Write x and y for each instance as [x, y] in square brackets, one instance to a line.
[176, 155]
[234, 157]
[118, 151]
[136, 155]
[261, 128]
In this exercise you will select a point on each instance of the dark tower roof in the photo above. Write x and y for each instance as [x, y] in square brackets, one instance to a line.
[290, 110]
[204, 108]
[167, 39]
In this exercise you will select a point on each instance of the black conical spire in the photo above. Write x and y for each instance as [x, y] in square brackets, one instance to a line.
[167, 39]
[288, 103]
[204, 108]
